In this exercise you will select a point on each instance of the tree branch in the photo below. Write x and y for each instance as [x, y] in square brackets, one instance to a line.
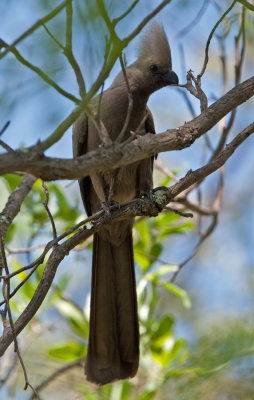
[210, 38]
[14, 202]
[75, 364]
[116, 155]
[35, 26]
[109, 62]
[38, 71]
[68, 50]
[137, 207]
[246, 4]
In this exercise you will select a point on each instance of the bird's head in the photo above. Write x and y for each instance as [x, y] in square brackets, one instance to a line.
[153, 68]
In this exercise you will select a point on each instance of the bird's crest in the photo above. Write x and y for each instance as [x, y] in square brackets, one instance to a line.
[155, 46]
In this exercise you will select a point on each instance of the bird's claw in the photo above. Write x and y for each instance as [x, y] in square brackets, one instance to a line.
[109, 206]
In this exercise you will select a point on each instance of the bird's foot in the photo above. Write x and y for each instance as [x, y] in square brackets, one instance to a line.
[158, 196]
[109, 206]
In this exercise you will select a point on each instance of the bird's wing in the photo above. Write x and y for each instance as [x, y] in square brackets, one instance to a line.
[149, 124]
[79, 143]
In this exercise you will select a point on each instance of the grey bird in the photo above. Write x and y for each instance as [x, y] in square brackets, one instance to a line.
[113, 347]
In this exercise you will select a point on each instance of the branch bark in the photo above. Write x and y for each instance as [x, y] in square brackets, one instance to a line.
[14, 203]
[137, 207]
[114, 156]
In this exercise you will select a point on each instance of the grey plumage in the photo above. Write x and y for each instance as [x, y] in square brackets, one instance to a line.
[113, 349]
[155, 47]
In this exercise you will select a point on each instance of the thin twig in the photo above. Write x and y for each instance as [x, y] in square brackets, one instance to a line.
[158, 165]
[247, 4]
[105, 16]
[210, 38]
[137, 132]
[93, 218]
[210, 229]
[4, 127]
[122, 16]
[194, 21]
[23, 250]
[39, 72]
[2, 143]
[45, 203]
[21, 283]
[195, 207]
[53, 37]
[130, 103]
[196, 91]
[194, 177]
[179, 212]
[68, 50]
[7, 305]
[100, 128]
[57, 373]
[179, 89]
[238, 69]
[10, 371]
[35, 26]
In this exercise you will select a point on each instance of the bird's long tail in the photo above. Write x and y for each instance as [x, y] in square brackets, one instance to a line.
[113, 348]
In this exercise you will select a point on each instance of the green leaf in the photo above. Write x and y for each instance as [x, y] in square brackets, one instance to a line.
[85, 390]
[13, 180]
[143, 232]
[63, 282]
[179, 292]
[28, 288]
[156, 250]
[197, 370]
[168, 352]
[161, 271]
[162, 331]
[127, 387]
[10, 232]
[150, 395]
[65, 210]
[142, 260]
[166, 181]
[74, 316]
[177, 230]
[176, 349]
[70, 351]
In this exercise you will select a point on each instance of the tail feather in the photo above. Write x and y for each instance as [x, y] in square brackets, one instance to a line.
[113, 348]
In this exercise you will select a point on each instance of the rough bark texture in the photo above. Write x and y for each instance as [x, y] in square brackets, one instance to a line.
[118, 155]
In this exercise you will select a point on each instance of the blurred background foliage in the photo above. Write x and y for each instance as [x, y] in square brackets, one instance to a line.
[196, 333]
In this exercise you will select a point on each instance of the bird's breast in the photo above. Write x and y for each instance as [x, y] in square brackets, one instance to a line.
[124, 188]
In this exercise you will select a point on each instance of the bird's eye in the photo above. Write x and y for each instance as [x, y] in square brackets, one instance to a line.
[153, 68]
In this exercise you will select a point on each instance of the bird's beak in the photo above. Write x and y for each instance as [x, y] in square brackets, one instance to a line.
[170, 78]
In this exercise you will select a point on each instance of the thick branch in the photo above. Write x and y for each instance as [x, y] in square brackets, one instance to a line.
[118, 155]
[200, 173]
[137, 207]
[14, 203]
